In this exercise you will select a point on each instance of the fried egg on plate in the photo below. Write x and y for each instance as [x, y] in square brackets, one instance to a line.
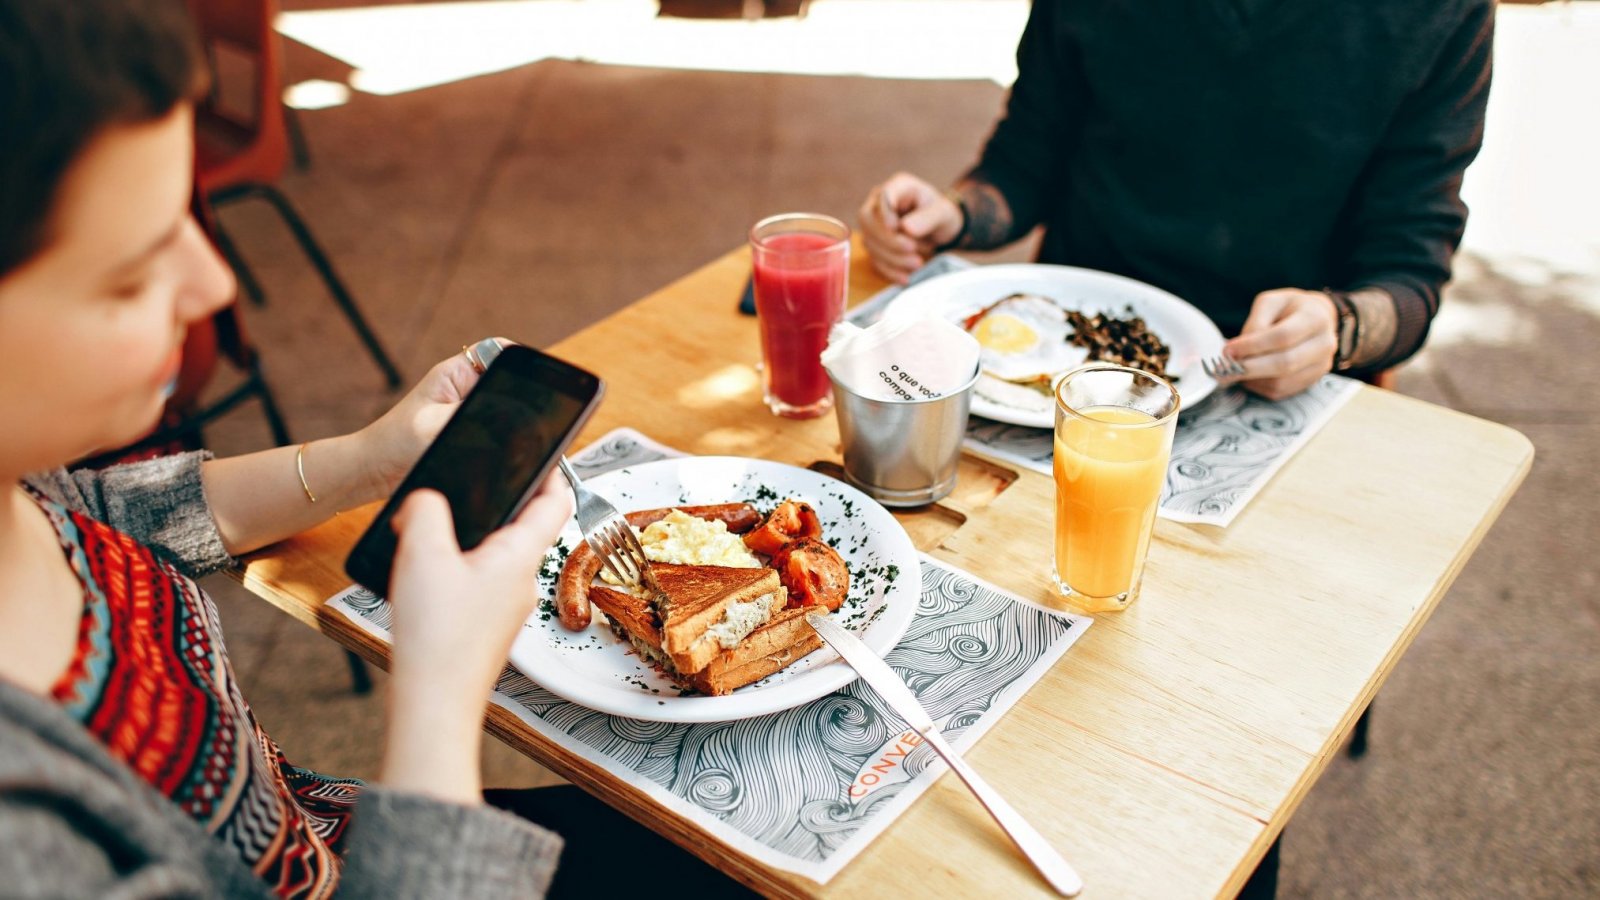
[1023, 338]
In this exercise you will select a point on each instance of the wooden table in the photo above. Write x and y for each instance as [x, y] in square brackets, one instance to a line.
[1165, 752]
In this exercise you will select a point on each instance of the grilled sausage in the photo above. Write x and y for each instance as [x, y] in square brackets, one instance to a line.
[583, 564]
[739, 517]
[572, 587]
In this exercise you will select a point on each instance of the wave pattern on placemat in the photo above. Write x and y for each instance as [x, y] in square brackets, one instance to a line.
[371, 607]
[1223, 447]
[1223, 452]
[783, 779]
[613, 451]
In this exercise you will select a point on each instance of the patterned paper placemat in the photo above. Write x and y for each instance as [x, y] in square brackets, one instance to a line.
[1225, 451]
[850, 765]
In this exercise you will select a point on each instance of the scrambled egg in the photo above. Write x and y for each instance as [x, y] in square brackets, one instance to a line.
[690, 541]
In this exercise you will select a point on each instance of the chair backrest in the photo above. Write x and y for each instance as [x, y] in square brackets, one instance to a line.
[227, 329]
[241, 45]
[200, 345]
[242, 23]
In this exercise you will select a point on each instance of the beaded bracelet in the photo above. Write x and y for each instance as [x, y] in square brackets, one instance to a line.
[955, 197]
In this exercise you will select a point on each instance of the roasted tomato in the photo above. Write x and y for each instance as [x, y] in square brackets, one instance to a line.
[814, 573]
[791, 521]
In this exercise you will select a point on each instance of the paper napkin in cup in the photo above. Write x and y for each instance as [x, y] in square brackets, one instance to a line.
[916, 358]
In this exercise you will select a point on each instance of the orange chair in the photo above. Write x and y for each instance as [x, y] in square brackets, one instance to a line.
[239, 157]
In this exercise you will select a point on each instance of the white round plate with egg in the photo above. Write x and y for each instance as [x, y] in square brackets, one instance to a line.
[595, 668]
[1034, 343]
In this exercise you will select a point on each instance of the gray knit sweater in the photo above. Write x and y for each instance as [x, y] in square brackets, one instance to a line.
[75, 822]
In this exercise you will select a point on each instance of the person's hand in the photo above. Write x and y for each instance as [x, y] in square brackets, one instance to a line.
[393, 443]
[1287, 343]
[455, 613]
[455, 617]
[902, 221]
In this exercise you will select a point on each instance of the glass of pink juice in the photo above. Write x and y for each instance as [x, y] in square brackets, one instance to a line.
[801, 266]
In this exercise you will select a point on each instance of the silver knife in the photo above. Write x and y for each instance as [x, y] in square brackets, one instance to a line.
[876, 673]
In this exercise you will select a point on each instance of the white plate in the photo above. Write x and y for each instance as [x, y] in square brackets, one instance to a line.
[1191, 335]
[596, 669]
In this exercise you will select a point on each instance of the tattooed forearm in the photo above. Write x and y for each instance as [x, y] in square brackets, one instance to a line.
[988, 216]
[1378, 320]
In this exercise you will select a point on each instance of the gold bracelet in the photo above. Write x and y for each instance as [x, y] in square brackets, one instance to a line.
[300, 466]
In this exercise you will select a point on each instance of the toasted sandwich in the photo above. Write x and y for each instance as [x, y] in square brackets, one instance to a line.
[768, 649]
[707, 611]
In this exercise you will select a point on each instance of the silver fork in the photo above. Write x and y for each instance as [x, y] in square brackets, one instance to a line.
[606, 532]
[1222, 366]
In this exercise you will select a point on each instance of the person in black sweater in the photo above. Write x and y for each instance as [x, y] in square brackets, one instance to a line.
[1291, 167]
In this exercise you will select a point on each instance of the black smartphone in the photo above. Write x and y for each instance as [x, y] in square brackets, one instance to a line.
[747, 300]
[491, 455]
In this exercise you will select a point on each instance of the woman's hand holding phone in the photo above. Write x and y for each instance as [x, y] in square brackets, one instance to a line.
[466, 469]
[490, 455]
[455, 617]
[396, 439]
[258, 498]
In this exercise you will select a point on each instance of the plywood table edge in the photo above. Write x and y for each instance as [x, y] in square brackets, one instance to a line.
[1275, 825]
[596, 780]
[505, 726]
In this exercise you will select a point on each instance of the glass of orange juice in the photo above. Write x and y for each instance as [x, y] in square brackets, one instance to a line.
[1114, 430]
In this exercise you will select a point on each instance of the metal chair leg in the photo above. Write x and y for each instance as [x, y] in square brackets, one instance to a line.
[247, 278]
[1358, 735]
[298, 148]
[336, 287]
[1263, 882]
[360, 676]
[269, 406]
[313, 251]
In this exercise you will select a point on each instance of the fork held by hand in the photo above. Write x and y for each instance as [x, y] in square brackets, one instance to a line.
[1222, 367]
[606, 532]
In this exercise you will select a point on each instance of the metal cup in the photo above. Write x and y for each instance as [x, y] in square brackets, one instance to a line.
[902, 452]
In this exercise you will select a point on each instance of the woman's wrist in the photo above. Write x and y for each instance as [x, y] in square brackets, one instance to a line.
[435, 735]
[356, 457]
[445, 764]
[329, 472]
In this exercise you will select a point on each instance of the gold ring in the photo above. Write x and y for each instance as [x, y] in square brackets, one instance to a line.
[472, 357]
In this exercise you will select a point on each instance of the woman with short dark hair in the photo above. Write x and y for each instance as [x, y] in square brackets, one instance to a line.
[129, 762]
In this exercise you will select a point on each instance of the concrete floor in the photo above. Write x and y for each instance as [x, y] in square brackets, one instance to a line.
[532, 201]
